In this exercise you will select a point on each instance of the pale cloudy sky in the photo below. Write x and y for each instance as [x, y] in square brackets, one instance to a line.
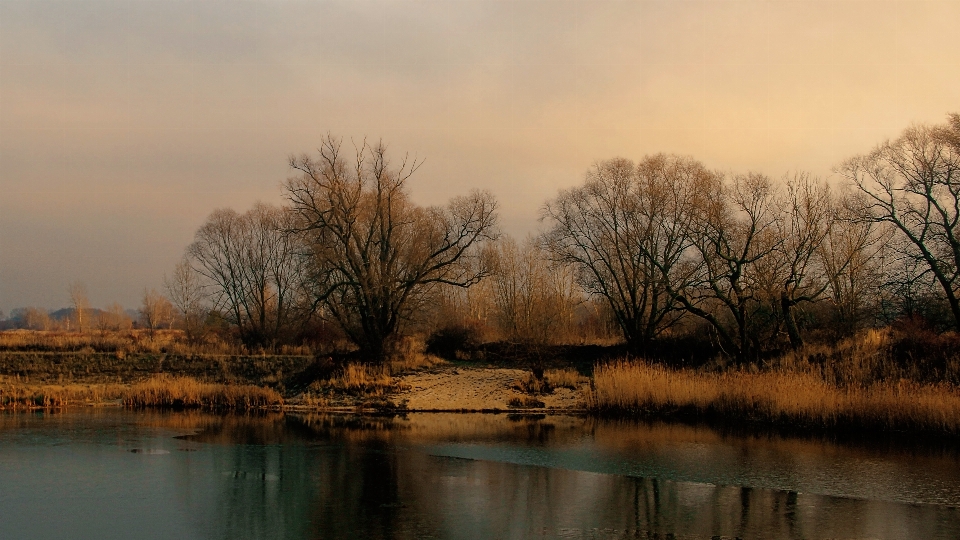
[123, 124]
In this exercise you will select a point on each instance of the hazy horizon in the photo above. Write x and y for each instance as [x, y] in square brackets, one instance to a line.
[124, 124]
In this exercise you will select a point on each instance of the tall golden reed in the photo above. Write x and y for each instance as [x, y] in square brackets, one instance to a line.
[185, 392]
[790, 398]
[17, 395]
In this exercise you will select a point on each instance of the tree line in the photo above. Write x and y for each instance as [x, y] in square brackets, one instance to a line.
[658, 249]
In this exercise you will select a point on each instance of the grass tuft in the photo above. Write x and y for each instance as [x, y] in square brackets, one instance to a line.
[525, 402]
[564, 378]
[362, 380]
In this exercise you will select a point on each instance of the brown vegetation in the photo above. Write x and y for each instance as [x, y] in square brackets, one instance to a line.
[552, 378]
[120, 342]
[15, 394]
[375, 257]
[187, 393]
[789, 398]
[361, 379]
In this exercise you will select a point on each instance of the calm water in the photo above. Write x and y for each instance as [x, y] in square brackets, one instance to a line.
[104, 474]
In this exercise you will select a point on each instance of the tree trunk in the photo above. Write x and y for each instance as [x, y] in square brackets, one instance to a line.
[796, 342]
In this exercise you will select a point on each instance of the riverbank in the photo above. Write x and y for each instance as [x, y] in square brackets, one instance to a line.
[801, 392]
[439, 387]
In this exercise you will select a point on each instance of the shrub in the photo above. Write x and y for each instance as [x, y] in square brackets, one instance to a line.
[450, 342]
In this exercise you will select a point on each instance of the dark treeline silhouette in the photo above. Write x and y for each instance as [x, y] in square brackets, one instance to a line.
[653, 254]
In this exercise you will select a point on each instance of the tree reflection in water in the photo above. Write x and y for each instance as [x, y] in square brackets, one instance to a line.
[380, 478]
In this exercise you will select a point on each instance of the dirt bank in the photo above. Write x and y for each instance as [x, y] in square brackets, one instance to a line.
[459, 389]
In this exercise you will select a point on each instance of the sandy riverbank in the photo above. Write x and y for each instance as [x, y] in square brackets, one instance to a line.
[456, 389]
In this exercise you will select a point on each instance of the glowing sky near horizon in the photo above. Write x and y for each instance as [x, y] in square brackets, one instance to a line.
[123, 124]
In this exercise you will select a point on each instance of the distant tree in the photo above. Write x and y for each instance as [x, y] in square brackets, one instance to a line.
[102, 321]
[913, 183]
[373, 255]
[119, 318]
[248, 260]
[534, 299]
[36, 319]
[853, 254]
[185, 290]
[114, 319]
[80, 302]
[155, 310]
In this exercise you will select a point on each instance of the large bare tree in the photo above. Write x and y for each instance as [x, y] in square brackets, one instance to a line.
[374, 254]
[626, 230]
[853, 254]
[803, 223]
[913, 183]
[733, 230]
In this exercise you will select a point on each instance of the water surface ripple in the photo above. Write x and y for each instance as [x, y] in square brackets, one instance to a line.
[118, 474]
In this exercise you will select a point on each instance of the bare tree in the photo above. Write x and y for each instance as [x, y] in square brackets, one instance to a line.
[155, 310]
[733, 230]
[80, 302]
[35, 319]
[627, 232]
[913, 183]
[373, 253]
[250, 264]
[852, 255]
[121, 321]
[803, 223]
[534, 299]
[185, 290]
[111, 319]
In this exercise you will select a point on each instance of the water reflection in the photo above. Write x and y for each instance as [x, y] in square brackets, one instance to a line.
[455, 476]
[469, 476]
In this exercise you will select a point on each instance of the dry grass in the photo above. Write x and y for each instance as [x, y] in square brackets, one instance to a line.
[552, 378]
[410, 355]
[185, 392]
[363, 380]
[564, 378]
[525, 402]
[879, 355]
[17, 395]
[530, 384]
[119, 342]
[796, 399]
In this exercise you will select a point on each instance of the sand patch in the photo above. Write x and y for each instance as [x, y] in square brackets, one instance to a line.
[475, 389]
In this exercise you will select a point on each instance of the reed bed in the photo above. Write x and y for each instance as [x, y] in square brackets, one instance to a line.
[788, 398]
[188, 393]
[16, 395]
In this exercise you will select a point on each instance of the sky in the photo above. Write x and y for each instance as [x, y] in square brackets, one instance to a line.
[123, 124]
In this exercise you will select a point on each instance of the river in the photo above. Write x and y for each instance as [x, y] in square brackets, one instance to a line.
[109, 473]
